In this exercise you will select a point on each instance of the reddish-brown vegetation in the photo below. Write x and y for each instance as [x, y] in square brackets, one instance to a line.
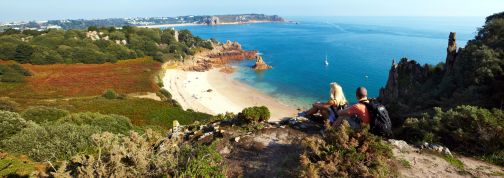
[67, 80]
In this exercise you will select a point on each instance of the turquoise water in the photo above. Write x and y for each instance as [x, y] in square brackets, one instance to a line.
[356, 47]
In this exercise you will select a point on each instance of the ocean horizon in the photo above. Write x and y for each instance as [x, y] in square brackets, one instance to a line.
[359, 50]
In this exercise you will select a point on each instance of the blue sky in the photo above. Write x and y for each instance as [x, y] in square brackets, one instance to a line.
[16, 10]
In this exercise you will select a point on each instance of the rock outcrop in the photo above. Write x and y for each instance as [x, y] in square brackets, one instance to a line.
[451, 51]
[403, 77]
[230, 51]
[260, 64]
[220, 56]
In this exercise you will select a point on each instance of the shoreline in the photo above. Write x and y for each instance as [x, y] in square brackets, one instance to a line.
[216, 92]
[199, 24]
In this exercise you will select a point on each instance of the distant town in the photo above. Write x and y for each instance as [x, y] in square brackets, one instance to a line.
[140, 21]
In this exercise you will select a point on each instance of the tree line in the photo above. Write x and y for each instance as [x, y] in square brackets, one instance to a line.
[106, 45]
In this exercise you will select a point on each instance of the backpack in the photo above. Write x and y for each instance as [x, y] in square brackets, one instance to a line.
[380, 120]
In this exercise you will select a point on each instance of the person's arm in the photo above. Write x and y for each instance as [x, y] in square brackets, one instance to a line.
[347, 111]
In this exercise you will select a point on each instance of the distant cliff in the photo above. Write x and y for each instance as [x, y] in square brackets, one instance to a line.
[472, 75]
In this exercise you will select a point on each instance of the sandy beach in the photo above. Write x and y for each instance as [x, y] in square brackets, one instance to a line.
[216, 92]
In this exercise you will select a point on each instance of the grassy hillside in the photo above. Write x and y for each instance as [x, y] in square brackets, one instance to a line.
[72, 80]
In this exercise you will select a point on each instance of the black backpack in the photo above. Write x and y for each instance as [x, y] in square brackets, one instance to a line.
[380, 120]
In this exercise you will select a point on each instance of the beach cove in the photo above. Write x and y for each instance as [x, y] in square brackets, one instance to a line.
[216, 92]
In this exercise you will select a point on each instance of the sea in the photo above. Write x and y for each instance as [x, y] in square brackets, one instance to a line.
[359, 51]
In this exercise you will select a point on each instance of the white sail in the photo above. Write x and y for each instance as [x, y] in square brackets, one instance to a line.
[326, 62]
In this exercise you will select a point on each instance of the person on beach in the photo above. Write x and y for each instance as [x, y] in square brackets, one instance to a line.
[329, 109]
[356, 114]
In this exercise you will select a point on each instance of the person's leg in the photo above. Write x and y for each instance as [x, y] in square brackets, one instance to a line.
[314, 110]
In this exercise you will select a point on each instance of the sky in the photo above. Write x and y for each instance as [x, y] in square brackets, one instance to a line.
[24, 10]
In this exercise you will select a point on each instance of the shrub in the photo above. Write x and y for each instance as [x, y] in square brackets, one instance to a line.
[8, 105]
[20, 70]
[346, 153]
[466, 129]
[254, 114]
[12, 77]
[147, 155]
[41, 114]
[166, 94]
[10, 124]
[11, 166]
[105, 123]
[51, 142]
[110, 94]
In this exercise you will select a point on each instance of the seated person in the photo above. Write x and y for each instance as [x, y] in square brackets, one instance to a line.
[328, 110]
[356, 114]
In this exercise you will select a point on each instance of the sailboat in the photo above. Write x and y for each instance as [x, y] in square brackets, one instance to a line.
[326, 62]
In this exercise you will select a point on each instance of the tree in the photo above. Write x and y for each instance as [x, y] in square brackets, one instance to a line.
[23, 53]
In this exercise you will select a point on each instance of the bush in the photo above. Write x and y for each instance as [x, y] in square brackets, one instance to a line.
[146, 155]
[254, 114]
[51, 142]
[12, 77]
[105, 123]
[10, 124]
[466, 129]
[20, 70]
[346, 153]
[8, 105]
[110, 94]
[41, 114]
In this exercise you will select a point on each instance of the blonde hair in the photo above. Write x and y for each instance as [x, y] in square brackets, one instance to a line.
[337, 94]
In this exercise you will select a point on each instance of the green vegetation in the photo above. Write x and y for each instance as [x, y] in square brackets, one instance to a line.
[104, 123]
[15, 167]
[454, 161]
[459, 106]
[8, 105]
[149, 155]
[41, 114]
[465, 129]
[10, 124]
[49, 142]
[110, 94]
[96, 45]
[405, 163]
[254, 114]
[13, 73]
[346, 153]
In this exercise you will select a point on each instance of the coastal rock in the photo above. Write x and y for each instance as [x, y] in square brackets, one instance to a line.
[260, 64]
[451, 51]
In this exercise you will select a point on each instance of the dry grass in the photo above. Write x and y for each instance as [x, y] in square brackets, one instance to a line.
[71, 80]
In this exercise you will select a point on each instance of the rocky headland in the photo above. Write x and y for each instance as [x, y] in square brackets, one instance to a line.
[219, 57]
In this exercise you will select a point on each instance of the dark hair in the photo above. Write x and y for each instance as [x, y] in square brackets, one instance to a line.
[361, 92]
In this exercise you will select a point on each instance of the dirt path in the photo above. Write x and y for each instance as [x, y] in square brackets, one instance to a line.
[268, 153]
[416, 163]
